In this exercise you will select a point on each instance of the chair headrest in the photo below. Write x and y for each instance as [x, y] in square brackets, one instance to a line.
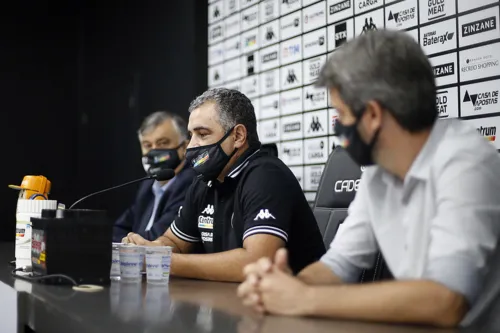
[339, 182]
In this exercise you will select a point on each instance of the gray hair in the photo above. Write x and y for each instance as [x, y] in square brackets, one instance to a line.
[389, 67]
[234, 108]
[157, 118]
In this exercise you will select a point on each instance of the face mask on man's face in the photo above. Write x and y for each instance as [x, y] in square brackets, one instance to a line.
[360, 152]
[209, 160]
[159, 159]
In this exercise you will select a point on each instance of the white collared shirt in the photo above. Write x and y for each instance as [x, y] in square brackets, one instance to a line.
[441, 223]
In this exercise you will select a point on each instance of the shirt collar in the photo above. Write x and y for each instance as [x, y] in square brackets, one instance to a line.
[420, 167]
[242, 162]
[159, 189]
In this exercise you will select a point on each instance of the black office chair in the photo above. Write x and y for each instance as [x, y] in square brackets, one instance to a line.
[336, 190]
[270, 148]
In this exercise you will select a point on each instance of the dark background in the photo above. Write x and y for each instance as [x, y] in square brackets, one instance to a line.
[77, 78]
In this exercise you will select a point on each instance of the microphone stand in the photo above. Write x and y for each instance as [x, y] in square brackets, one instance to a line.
[111, 188]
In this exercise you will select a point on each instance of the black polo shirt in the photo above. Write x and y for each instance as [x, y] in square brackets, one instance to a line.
[260, 195]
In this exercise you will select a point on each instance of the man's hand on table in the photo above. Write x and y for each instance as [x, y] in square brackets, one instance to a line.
[270, 286]
[136, 239]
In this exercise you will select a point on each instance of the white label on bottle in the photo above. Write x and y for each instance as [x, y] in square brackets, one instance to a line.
[130, 265]
[115, 263]
[158, 266]
[23, 241]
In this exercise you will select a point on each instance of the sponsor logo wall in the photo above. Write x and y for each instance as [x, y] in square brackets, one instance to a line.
[272, 51]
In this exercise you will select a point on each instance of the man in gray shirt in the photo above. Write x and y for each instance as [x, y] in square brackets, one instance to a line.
[429, 199]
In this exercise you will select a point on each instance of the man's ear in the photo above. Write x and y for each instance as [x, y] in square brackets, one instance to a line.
[374, 113]
[240, 135]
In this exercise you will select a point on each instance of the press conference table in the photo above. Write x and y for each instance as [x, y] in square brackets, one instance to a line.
[185, 306]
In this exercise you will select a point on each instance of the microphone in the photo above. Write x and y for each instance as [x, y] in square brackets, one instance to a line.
[162, 175]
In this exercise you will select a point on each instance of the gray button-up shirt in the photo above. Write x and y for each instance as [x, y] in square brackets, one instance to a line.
[441, 223]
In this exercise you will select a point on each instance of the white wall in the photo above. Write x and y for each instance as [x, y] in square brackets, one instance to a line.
[272, 51]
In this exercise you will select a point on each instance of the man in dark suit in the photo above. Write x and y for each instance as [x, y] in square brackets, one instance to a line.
[163, 138]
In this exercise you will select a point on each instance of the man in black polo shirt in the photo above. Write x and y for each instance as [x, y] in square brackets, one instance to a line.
[244, 205]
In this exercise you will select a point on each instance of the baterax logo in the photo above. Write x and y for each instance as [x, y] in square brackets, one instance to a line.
[315, 125]
[291, 152]
[368, 26]
[368, 3]
[270, 57]
[292, 127]
[477, 27]
[484, 62]
[338, 7]
[320, 41]
[431, 38]
[316, 97]
[435, 9]
[291, 50]
[216, 75]
[340, 34]
[481, 99]
[442, 103]
[444, 69]
[316, 151]
[402, 16]
[347, 185]
[295, 23]
[313, 16]
[489, 133]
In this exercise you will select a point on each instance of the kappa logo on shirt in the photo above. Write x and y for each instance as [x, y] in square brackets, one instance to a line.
[264, 215]
[209, 210]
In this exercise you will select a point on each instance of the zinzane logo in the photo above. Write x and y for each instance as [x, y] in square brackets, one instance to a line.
[346, 185]
[338, 7]
[480, 26]
[444, 69]
[264, 215]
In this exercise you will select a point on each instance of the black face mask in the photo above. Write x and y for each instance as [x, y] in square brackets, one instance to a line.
[159, 159]
[209, 160]
[360, 152]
